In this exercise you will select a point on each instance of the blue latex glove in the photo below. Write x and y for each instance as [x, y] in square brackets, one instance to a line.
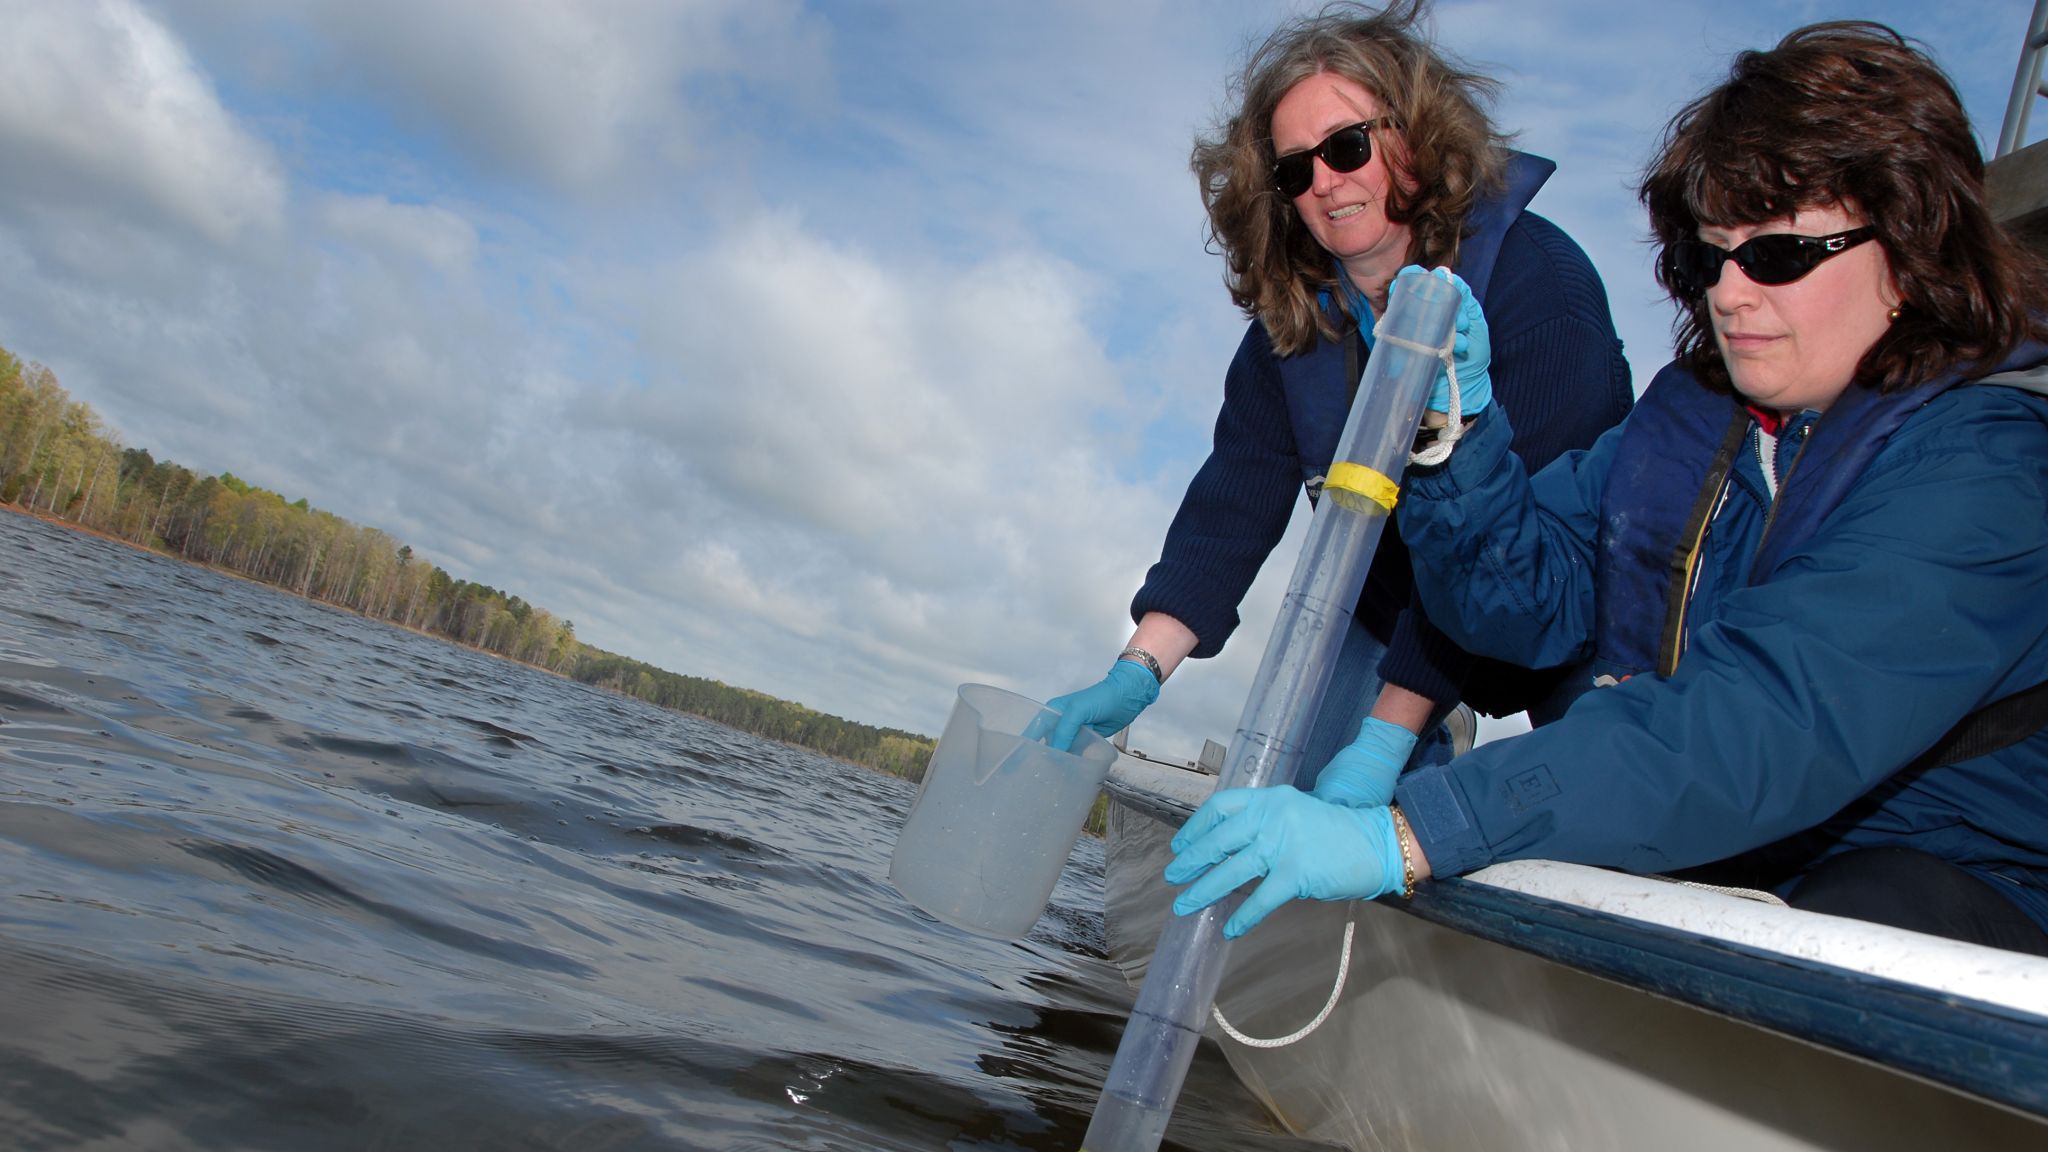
[1471, 350]
[1362, 773]
[1108, 705]
[1304, 847]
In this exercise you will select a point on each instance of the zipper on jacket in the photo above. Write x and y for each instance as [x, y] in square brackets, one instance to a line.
[1771, 517]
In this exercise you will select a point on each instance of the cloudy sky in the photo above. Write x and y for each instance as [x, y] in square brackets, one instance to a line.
[846, 351]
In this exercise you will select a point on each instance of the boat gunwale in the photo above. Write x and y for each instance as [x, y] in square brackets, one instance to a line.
[1999, 1055]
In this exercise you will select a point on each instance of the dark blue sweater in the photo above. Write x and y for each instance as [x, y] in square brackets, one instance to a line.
[1557, 367]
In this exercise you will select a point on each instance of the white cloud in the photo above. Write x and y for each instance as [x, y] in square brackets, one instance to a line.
[436, 236]
[103, 112]
[902, 463]
[568, 93]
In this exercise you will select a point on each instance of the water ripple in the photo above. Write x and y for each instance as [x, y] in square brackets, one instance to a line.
[276, 876]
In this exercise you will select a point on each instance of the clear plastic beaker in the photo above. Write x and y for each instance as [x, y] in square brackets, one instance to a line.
[997, 814]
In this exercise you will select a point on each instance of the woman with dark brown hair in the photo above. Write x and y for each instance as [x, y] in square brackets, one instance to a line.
[1357, 148]
[1809, 568]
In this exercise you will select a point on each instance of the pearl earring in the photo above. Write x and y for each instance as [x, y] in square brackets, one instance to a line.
[1895, 315]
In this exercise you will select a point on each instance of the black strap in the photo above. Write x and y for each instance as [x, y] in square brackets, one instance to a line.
[2001, 723]
[1354, 367]
[1997, 725]
[1679, 565]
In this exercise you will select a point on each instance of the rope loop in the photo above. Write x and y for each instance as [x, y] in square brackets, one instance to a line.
[1329, 1006]
[1439, 449]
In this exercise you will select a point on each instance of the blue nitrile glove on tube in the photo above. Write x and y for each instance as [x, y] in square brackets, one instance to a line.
[1304, 847]
[1471, 350]
[1108, 705]
[1362, 773]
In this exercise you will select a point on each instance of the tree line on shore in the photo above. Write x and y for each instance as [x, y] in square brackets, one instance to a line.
[57, 459]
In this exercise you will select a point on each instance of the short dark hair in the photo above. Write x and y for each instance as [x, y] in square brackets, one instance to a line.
[1851, 114]
[1450, 150]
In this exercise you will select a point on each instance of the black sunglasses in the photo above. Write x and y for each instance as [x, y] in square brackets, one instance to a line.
[1346, 150]
[1693, 266]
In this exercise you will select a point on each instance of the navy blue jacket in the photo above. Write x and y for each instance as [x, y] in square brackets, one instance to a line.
[1831, 635]
[1556, 362]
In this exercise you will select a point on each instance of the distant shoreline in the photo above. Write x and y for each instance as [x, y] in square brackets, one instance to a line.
[219, 570]
[112, 538]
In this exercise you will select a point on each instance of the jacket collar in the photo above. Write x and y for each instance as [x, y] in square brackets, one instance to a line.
[2025, 368]
[1487, 224]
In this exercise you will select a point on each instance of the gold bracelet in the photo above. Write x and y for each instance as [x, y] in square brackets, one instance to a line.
[1404, 838]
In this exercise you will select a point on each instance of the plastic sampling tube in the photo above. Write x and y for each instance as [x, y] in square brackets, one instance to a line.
[1358, 496]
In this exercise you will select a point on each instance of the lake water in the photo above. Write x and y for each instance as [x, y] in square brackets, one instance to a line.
[273, 876]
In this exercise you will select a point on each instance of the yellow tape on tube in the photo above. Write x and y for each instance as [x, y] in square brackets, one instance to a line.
[1357, 478]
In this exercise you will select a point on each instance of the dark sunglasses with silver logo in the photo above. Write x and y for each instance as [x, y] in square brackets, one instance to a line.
[1693, 266]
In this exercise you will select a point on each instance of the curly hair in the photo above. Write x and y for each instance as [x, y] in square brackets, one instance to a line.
[1450, 155]
[1850, 114]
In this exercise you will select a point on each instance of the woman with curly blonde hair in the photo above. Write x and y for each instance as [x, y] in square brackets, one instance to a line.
[1357, 148]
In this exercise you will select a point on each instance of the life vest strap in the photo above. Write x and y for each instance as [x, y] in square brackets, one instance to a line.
[1685, 557]
[1994, 727]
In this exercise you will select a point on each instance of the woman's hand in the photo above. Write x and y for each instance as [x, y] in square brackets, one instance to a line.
[1471, 350]
[1362, 773]
[1108, 706]
[1304, 847]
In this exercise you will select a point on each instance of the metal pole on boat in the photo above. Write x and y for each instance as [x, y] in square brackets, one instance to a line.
[2026, 83]
[1357, 498]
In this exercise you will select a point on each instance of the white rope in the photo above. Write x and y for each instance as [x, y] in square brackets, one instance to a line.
[1343, 970]
[1439, 450]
